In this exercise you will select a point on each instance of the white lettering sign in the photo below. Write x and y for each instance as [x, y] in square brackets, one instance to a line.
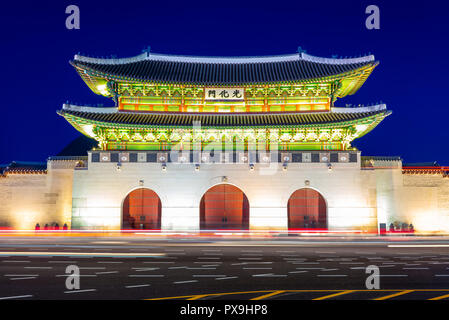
[224, 94]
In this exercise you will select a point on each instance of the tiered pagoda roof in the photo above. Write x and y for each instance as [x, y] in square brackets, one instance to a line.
[160, 98]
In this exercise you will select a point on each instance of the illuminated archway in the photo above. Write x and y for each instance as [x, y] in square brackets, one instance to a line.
[224, 207]
[307, 210]
[142, 210]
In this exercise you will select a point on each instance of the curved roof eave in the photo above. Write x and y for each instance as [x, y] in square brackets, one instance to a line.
[223, 59]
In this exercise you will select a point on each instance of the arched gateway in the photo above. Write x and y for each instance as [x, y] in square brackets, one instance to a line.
[142, 210]
[306, 210]
[224, 206]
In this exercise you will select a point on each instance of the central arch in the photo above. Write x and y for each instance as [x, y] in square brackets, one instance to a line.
[224, 207]
[307, 210]
[142, 210]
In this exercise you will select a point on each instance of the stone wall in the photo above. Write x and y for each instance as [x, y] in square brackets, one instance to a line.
[357, 198]
[425, 201]
[30, 198]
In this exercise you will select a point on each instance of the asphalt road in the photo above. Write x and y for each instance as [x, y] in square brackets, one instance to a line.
[146, 268]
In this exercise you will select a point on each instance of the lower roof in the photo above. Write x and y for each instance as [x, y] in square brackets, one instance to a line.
[184, 119]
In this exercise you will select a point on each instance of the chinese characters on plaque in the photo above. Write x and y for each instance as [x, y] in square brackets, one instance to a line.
[224, 94]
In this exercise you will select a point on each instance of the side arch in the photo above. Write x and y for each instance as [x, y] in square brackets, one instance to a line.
[224, 207]
[142, 209]
[307, 209]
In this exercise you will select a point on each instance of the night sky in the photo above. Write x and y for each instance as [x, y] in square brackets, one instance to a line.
[411, 45]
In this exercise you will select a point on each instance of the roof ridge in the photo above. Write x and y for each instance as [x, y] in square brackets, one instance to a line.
[223, 59]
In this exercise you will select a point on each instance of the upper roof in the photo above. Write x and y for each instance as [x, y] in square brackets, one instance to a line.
[152, 67]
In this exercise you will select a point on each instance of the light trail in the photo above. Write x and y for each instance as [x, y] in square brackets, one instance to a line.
[81, 254]
[418, 245]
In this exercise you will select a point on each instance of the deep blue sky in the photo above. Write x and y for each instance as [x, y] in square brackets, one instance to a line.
[412, 47]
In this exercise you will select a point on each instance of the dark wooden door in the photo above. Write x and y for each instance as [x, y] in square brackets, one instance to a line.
[224, 207]
[307, 210]
[142, 210]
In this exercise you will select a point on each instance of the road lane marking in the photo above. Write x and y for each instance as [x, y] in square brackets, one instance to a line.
[394, 295]
[440, 297]
[188, 281]
[76, 275]
[209, 275]
[21, 275]
[137, 286]
[270, 275]
[146, 275]
[298, 291]
[16, 297]
[210, 265]
[246, 263]
[225, 278]
[80, 291]
[326, 270]
[24, 278]
[197, 297]
[106, 272]
[334, 295]
[331, 275]
[268, 295]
